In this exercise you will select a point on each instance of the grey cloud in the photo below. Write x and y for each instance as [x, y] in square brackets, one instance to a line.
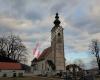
[58, 7]
[88, 25]
[4, 29]
[76, 35]
[19, 9]
[33, 15]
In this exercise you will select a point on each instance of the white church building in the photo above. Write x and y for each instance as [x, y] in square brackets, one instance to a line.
[52, 59]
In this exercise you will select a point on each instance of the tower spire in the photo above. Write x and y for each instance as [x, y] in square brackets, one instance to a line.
[57, 17]
[57, 22]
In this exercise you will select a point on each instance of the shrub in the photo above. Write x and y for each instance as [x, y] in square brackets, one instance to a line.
[4, 75]
[20, 74]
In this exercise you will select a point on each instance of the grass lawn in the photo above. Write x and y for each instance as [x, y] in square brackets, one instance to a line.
[36, 78]
[30, 78]
[98, 77]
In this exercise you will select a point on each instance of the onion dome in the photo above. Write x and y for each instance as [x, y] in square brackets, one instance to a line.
[56, 22]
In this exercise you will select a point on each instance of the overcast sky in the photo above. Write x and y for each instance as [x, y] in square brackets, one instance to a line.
[32, 20]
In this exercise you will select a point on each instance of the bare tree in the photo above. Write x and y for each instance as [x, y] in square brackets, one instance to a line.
[93, 63]
[95, 50]
[12, 47]
[79, 63]
[2, 46]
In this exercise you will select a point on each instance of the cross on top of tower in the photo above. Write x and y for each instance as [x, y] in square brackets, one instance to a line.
[57, 22]
[57, 17]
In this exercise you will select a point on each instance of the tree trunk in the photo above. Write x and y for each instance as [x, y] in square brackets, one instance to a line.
[99, 66]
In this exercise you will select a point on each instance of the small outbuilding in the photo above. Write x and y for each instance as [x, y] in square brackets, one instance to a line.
[10, 68]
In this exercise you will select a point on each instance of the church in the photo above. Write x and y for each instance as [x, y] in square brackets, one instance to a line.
[52, 59]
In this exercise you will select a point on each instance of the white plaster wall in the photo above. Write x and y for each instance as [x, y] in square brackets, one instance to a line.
[9, 73]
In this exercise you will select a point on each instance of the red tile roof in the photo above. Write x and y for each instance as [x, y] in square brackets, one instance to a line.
[45, 53]
[10, 66]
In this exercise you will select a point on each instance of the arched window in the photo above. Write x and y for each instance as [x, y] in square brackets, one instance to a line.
[58, 34]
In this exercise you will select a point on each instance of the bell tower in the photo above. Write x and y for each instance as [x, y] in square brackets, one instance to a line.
[57, 45]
